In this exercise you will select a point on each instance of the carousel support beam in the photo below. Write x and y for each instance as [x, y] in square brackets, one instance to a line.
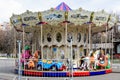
[15, 52]
[19, 67]
[112, 44]
[109, 34]
[71, 59]
[66, 39]
[106, 42]
[90, 45]
[33, 41]
[101, 39]
[35, 45]
[23, 36]
[87, 43]
[41, 25]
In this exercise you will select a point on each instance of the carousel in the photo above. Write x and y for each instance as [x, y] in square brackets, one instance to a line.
[61, 42]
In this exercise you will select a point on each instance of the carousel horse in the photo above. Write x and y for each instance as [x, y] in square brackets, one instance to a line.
[105, 62]
[25, 56]
[35, 56]
[91, 59]
[101, 60]
[85, 61]
[95, 60]
[82, 63]
[31, 64]
[33, 61]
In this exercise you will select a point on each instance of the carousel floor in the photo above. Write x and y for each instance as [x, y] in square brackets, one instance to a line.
[62, 73]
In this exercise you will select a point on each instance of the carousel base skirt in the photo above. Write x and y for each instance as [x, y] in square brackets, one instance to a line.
[35, 73]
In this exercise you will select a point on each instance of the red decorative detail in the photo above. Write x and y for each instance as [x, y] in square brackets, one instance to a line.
[41, 23]
[108, 71]
[62, 68]
[62, 23]
[66, 21]
[44, 23]
[76, 74]
[69, 74]
[39, 73]
[32, 73]
[63, 7]
[85, 73]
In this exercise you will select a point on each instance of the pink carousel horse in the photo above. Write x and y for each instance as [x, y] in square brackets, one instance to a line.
[25, 56]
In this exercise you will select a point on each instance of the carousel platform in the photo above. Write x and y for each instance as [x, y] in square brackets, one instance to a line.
[35, 73]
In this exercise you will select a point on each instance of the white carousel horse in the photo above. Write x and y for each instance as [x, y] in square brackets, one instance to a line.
[96, 55]
[87, 59]
[86, 63]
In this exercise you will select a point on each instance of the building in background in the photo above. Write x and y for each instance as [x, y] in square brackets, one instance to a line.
[5, 26]
[117, 37]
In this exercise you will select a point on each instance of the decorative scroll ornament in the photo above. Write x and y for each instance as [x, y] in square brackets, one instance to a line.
[66, 15]
[112, 21]
[30, 18]
[100, 18]
[53, 17]
[79, 17]
[40, 16]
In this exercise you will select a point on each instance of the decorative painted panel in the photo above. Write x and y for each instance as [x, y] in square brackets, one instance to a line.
[16, 21]
[79, 17]
[30, 18]
[112, 21]
[53, 17]
[100, 18]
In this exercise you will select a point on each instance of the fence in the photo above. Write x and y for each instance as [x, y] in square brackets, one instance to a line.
[43, 68]
[8, 66]
[116, 63]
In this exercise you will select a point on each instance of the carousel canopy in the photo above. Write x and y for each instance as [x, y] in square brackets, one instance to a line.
[54, 17]
[64, 7]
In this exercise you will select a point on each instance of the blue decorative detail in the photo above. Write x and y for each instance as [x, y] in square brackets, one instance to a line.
[16, 71]
[49, 64]
[54, 74]
[24, 25]
[97, 73]
[54, 49]
[64, 7]
[53, 16]
[59, 74]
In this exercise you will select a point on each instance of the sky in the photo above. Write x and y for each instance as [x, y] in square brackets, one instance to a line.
[9, 7]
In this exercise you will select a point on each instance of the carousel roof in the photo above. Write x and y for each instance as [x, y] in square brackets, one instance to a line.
[64, 7]
[61, 13]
